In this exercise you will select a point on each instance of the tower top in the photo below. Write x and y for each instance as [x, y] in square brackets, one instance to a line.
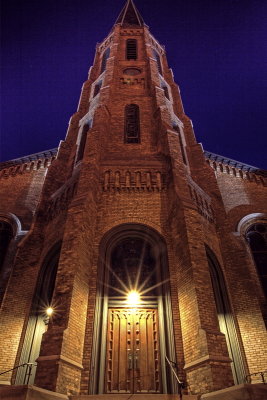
[129, 15]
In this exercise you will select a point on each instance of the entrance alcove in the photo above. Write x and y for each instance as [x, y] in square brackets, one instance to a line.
[130, 341]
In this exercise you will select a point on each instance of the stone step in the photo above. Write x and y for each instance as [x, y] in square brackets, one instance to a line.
[134, 397]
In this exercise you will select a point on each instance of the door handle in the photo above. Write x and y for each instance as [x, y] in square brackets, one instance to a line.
[130, 360]
[136, 360]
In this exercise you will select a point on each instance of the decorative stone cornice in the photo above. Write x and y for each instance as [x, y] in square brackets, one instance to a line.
[27, 163]
[47, 154]
[234, 164]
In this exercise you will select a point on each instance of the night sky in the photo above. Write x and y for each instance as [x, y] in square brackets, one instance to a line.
[216, 48]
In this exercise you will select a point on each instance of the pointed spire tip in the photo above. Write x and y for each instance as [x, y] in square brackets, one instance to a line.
[130, 16]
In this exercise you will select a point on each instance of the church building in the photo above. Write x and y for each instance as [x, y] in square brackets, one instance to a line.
[133, 264]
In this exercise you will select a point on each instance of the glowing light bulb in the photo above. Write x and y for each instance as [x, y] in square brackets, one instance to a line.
[49, 311]
[133, 298]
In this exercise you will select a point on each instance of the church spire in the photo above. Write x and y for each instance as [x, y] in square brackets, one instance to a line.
[130, 15]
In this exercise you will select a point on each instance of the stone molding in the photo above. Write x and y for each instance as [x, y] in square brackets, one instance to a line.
[29, 392]
[60, 357]
[206, 359]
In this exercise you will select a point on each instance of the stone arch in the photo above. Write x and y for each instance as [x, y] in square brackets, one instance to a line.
[249, 220]
[226, 320]
[162, 301]
[13, 221]
[37, 322]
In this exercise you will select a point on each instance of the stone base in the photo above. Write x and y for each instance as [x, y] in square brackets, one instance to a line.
[28, 392]
[239, 392]
[31, 392]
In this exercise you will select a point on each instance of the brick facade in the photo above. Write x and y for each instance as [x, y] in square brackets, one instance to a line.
[168, 187]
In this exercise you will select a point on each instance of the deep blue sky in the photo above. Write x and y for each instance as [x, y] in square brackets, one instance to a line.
[216, 48]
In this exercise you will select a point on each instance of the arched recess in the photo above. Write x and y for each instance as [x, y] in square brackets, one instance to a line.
[37, 323]
[253, 229]
[122, 250]
[225, 317]
[10, 235]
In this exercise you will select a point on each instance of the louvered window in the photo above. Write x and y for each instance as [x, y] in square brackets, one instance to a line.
[132, 124]
[131, 49]
[104, 60]
[157, 58]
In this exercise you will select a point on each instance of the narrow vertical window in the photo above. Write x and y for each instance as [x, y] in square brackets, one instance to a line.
[166, 91]
[177, 129]
[82, 143]
[182, 149]
[132, 124]
[131, 49]
[97, 88]
[104, 60]
[157, 58]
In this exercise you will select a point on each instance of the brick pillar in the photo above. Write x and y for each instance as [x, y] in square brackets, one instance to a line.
[60, 362]
[207, 363]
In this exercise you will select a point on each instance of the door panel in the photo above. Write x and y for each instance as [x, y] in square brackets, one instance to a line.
[132, 352]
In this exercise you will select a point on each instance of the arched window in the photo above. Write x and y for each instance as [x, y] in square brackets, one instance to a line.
[82, 143]
[225, 317]
[104, 60]
[157, 58]
[256, 236]
[6, 234]
[131, 49]
[132, 124]
[37, 323]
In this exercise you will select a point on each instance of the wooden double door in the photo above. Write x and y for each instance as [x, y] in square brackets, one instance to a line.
[133, 356]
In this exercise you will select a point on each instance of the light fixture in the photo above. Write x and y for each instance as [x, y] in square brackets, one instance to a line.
[49, 311]
[133, 298]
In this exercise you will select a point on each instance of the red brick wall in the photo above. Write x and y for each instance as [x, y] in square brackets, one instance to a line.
[148, 184]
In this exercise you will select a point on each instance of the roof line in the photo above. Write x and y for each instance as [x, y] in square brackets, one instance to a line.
[28, 158]
[234, 163]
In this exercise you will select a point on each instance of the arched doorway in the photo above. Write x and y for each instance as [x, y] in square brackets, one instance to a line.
[225, 317]
[132, 336]
[37, 323]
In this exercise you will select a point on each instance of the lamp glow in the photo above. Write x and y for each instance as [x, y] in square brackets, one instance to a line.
[133, 298]
[49, 311]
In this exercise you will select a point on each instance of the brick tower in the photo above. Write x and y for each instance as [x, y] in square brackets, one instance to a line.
[131, 204]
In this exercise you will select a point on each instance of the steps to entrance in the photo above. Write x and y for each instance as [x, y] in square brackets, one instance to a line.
[134, 397]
